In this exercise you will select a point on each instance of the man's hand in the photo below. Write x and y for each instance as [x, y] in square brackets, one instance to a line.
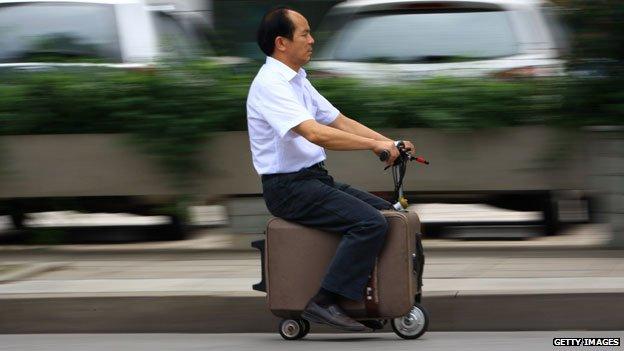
[389, 146]
[409, 146]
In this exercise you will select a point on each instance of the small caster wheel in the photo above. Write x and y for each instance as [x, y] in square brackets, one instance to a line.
[292, 329]
[305, 327]
[413, 325]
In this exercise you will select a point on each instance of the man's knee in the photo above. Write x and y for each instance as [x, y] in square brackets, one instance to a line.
[378, 226]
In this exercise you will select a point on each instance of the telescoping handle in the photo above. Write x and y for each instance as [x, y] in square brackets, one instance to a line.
[398, 173]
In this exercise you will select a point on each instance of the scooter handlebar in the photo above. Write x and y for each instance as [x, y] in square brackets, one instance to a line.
[384, 155]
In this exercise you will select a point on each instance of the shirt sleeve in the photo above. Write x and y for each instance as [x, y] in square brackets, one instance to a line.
[280, 107]
[326, 112]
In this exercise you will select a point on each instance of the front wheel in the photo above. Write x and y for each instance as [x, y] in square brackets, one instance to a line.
[413, 325]
[178, 228]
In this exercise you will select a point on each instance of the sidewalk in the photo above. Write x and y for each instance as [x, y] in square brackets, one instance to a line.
[204, 285]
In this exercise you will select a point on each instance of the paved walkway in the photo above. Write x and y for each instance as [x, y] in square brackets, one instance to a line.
[217, 269]
[216, 261]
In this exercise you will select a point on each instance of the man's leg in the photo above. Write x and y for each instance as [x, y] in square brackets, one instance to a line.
[311, 199]
[315, 204]
[367, 197]
[379, 204]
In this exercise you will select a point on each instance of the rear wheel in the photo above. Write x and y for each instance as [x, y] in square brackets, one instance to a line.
[178, 228]
[306, 327]
[550, 212]
[293, 329]
[17, 219]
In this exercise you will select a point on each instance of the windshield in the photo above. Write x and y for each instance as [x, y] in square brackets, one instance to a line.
[55, 32]
[425, 37]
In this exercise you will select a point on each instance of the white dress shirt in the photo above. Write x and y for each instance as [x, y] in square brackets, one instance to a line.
[280, 99]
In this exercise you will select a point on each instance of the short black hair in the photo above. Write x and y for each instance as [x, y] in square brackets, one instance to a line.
[275, 23]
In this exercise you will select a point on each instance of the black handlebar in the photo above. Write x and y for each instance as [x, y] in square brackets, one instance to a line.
[383, 156]
[404, 156]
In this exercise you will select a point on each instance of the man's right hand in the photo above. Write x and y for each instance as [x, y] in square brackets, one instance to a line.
[389, 146]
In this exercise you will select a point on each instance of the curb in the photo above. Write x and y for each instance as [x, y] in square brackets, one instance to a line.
[248, 314]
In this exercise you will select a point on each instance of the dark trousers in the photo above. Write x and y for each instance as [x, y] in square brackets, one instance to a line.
[312, 198]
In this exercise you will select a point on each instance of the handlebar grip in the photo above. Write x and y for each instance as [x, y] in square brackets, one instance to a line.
[422, 160]
[384, 155]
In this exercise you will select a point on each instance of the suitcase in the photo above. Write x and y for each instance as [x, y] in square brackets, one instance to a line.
[295, 259]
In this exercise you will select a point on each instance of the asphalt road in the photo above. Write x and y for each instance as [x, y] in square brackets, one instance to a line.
[87, 228]
[217, 215]
[482, 341]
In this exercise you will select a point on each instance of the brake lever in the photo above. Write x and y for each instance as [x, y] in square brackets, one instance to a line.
[409, 158]
[403, 153]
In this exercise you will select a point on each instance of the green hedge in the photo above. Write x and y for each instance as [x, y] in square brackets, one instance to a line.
[170, 110]
[445, 103]
[182, 99]
[188, 101]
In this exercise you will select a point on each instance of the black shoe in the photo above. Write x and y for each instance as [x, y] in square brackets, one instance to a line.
[374, 324]
[331, 315]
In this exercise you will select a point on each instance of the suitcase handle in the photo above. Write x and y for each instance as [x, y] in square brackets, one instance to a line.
[259, 244]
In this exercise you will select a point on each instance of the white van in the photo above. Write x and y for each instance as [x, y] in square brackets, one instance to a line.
[409, 39]
[120, 33]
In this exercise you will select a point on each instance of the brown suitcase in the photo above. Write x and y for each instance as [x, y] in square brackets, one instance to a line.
[295, 259]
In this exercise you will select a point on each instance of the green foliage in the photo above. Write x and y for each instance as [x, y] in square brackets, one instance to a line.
[446, 103]
[170, 110]
[180, 105]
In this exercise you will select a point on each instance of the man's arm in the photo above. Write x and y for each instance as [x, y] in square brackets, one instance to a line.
[336, 139]
[348, 125]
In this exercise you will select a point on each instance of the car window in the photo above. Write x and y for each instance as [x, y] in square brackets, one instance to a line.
[32, 32]
[173, 40]
[560, 33]
[426, 37]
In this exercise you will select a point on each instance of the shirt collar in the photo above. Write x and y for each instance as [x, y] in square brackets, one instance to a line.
[284, 70]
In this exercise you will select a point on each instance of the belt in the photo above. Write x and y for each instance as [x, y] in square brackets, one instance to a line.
[320, 165]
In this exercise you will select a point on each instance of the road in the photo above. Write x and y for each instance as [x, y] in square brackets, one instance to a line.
[216, 215]
[481, 341]
[119, 227]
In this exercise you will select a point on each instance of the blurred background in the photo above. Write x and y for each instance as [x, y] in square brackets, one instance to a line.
[139, 108]
[126, 173]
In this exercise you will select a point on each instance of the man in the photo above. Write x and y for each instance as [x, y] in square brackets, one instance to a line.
[290, 124]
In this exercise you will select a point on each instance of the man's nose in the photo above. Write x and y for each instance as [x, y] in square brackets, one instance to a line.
[311, 41]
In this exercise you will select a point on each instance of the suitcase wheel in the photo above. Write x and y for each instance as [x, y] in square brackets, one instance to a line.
[293, 329]
[413, 325]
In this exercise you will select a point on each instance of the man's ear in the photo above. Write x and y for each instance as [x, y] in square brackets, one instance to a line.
[280, 43]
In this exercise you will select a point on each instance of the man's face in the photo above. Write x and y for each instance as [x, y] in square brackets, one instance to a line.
[299, 49]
